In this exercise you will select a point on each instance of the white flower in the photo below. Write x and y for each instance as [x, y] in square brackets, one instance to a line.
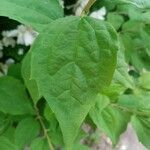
[25, 38]
[11, 33]
[20, 51]
[9, 61]
[61, 2]
[26, 35]
[8, 41]
[4, 69]
[99, 14]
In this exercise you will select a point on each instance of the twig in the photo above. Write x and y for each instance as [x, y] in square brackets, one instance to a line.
[87, 7]
[43, 128]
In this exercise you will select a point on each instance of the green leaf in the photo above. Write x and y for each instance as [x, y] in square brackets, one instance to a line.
[121, 75]
[115, 19]
[128, 47]
[138, 62]
[144, 80]
[54, 130]
[138, 3]
[5, 144]
[80, 147]
[121, 79]
[13, 97]
[15, 71]
[35, 13]
[145, 37]
[131, 27]
[77, 144]
[30, 83]
[142, 128]
[9, 133]
[71, 69]
[138, 15]
[136, 103]
[102, 102]
[26, 131]
[110, 120]
[39, 144]
[4, 122]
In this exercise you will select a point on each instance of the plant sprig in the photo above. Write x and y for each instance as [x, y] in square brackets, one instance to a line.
[43, 128]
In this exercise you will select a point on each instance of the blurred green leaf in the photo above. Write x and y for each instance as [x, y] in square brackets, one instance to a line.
[13, 97]
[30, 83]
[54, 130]
[26, 131]
[39, 144]
[142, 128]
[136, 103]
[15, 71]
[5, 144]
[111, 120]
[144, 80]
[34, 13]
[115, 19]
[4, 122]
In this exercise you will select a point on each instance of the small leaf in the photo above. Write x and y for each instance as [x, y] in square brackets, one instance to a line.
[142, 128]
[136, 103]
[121, 75]
[144, 80]
[121, 79]
[54, 130]
[80, 147]
[138, 3]
[115, 19]
[5, 144]
[26, 131]
[4, 122]
[102, 102]
[110, 120]
[13, 97]
[39, 144]
[15, 71]
[35, 13]
[9, 133]
[30, 83]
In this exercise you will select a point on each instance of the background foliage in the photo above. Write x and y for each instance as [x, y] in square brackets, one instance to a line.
[79, 70]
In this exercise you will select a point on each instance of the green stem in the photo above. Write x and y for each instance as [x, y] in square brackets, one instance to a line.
[87, 7]
[144, 114]
[43, 128]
